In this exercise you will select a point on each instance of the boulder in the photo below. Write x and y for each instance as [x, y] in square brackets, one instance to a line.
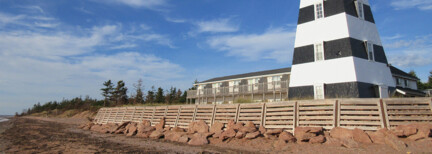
[183, 139]
[97, 128]
[173, 136]
[178, 129]
[424, 131]
[87, 126]
[132, 129]
[349, 143]
[217, 134]
[377, 137]
[216, 127]
[161, 124]
[145, 123]
[274, 131]
[230, 124]
[229, 133]
[393, 141]
[304, 134]
[240, 135]
[144, 135]
[198, 127]
[252, 135]
[248, 128]
[317, 139]
[360, 136]
[145, 126]
[405, 130]
[111, 127]
[157, 134]
[341, 133]
[287, 137]
[262, 130]
[198, 139]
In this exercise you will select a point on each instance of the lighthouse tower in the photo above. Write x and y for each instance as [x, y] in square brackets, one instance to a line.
[338, 52]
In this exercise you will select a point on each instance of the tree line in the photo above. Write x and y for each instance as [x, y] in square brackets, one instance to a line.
[114, 95]
[423, 85]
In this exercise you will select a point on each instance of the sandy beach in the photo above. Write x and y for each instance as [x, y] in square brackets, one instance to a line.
[61, 135]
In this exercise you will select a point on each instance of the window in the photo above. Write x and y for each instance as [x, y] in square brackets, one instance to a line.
[360, 9]
[319, 91]
[406, 83]
[319, 52]
[400, 82]
[236, 83]
[319, 11]
[276, 78]
[370, 50]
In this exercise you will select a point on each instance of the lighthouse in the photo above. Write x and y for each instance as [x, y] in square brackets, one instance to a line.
[338, 52]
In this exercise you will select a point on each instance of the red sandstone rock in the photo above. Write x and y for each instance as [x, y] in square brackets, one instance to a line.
[349, 143]
[178, 129]
[161, 124]
[341, 133]
[317, 139]
[287, 137]
[262, 130]
[360, 136]
[240, 135]
[252, 135]
[405, 130]
[132, 129]
[306, 133]
[248, 128]
[377, 137]
[229, 133]
[216, 127]
[198, 127]
[198, 139]
[157, 134]
[394, 142]
[424, 131]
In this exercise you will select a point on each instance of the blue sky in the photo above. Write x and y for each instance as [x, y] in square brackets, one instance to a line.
[55, 49]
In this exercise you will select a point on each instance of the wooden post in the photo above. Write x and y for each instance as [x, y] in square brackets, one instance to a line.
[133, 114]
[115, 117]
[178, 116]
[336, 114]
[296, 115]
[195, 112]
[274, 92]
[142, 114]
[152, 117]
[383, 114]
[237, 113]
[263, 114]
[339, 114]
[252, 93]
[213, 115]
[430, 104]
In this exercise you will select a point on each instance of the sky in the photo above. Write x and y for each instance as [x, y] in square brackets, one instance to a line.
[60, 49]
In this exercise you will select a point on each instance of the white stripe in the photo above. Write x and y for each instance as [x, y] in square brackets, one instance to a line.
[336, 27]
[347, 69]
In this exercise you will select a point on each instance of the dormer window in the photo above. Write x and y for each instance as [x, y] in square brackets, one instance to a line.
[319, 51]
[319, 10]
[360, 9]
[370, 50]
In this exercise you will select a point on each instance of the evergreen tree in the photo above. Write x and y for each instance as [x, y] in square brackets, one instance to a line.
[120, 93]
[107, 91]
[139, 96]
[160, 98]
[178, 96]
[420, 85]
[150, 98]
[183, 97]
[429, 84]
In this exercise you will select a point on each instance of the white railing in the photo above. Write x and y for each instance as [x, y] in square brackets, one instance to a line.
[267, 87]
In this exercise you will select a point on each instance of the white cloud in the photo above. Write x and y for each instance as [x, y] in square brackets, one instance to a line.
[276, 44]
[149, 4]
[405, 4]
[216, 26]
[410, 52]
[175, 20]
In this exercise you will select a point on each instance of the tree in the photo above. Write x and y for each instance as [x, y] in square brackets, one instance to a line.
[429, 83]
[139, 96]
[150, 98]
[120, 93]
[420, 85]
[183, 97]
[107, 91]
[160, 98]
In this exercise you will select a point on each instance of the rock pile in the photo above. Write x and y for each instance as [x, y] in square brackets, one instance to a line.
[199, 132]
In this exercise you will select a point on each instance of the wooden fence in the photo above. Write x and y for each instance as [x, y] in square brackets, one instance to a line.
[366, 114]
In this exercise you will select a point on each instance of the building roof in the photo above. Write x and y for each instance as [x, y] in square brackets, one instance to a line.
[398, 72]
[260, 73]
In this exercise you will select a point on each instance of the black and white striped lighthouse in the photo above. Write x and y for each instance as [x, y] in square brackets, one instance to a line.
[338, 52]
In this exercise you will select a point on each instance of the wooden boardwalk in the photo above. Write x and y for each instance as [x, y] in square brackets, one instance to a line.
[366, 114]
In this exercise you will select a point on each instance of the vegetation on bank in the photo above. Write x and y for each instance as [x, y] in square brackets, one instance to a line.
[423, 85]
[114, 95]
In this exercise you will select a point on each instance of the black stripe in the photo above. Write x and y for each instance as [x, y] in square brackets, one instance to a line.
[334, 7]
[340, 48]
[338, 90]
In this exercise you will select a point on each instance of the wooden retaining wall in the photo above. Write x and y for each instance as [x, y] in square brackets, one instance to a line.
[366, 114]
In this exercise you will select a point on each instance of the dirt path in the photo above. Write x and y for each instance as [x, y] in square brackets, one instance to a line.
[36, 136]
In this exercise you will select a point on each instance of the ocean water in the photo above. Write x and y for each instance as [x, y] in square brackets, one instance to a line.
[3, 119]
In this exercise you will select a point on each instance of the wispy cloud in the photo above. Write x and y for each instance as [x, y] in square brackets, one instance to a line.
[223, 25]
[175, 20]
[406, 4]
[405, 52]
[275, 43]
[149, 4]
